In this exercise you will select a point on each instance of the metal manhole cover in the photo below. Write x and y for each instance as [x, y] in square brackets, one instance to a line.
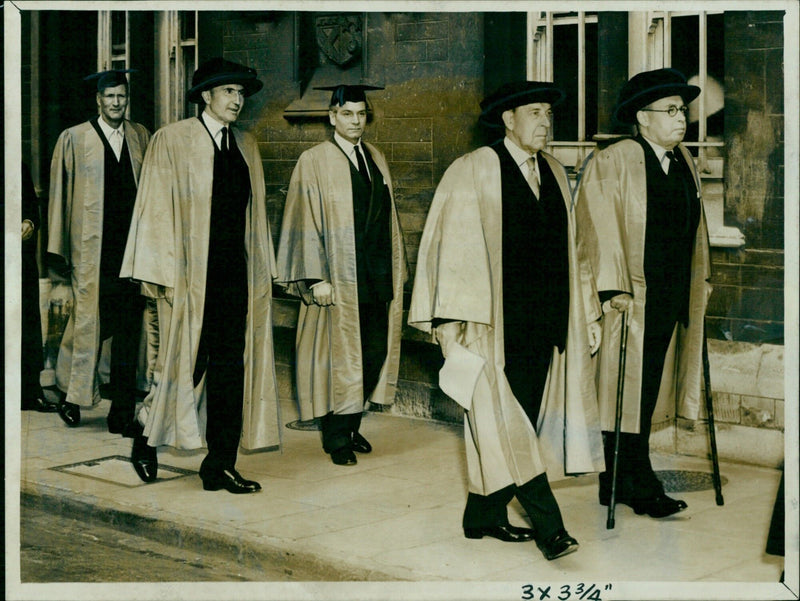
[118, 470]
[308, 425]
[687, 481]
[311, 425]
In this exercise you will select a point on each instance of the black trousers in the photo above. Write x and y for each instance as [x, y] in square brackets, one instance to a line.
[526, 371]
[636, 478]
[536, 498]
[32, 349]
[338, 429]
[221, 358]
[527, 374]
[121, 320]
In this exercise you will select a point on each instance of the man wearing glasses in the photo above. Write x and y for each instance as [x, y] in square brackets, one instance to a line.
[641, 226]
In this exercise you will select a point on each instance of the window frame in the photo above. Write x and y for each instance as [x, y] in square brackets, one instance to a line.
[540, 60]
[659, 54]
[107, 55]
[649, 47]
[173, 79]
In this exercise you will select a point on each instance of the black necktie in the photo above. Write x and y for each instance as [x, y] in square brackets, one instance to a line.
[673, 164]
[224, 143]
[671, 158]
[362, 165]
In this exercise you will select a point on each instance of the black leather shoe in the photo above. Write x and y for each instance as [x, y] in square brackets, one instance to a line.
[360, 444]
[504, 532]
[558, 545]
[144, 459]
[69, 412]
[40, 405]
[659, 506]
[230, 480]
[344, 456]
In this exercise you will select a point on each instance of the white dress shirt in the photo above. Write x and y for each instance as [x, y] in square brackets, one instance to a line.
[528, 164]
[521, 159]
[115, 136]
[215, 129]
[661, 154]
[350, 150]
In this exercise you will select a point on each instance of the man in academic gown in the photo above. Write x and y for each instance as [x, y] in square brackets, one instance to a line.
[200, 245]
[341, 251]
[498, 280]
[93, 179]
[31, 361]
[640, 224]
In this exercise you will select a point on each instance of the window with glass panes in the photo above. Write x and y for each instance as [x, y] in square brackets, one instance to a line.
[563, 49]
[694, 44]
[186, 59]
[113, 42]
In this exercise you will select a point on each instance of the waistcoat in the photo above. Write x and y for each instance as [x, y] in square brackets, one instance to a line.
[373, 235]
[673, 214]
[535, 258]
[119, 195]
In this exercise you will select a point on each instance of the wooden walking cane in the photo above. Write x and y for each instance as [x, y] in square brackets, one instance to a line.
[623, 347]
[710, 412]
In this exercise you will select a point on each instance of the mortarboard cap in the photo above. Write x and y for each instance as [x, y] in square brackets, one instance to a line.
[110, 78]
[348, 93]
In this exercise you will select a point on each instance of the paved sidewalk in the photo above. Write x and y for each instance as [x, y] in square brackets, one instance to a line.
[396, 517]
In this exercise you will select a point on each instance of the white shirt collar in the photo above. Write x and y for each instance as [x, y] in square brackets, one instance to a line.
[214, 127]
[108, 130]
[520, 156]
[346, 145]
[657, 148]
[660, 154]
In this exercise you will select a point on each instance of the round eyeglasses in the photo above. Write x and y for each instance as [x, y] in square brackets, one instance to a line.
[671, 111]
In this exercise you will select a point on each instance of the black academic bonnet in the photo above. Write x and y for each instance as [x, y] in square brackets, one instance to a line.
[218, 72]
[342, 93]
[649, 86]
[517, 93]
[109, 79]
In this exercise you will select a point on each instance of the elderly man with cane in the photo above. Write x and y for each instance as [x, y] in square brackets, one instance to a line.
[640, 224]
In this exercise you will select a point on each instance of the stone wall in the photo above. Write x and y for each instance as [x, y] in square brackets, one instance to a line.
[754, 125]
[747, 383]
[431, 66]
[747, 303]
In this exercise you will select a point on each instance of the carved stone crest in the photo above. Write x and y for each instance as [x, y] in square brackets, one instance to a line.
[339, 37]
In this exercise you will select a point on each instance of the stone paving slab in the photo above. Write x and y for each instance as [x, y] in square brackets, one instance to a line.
[395, 518]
